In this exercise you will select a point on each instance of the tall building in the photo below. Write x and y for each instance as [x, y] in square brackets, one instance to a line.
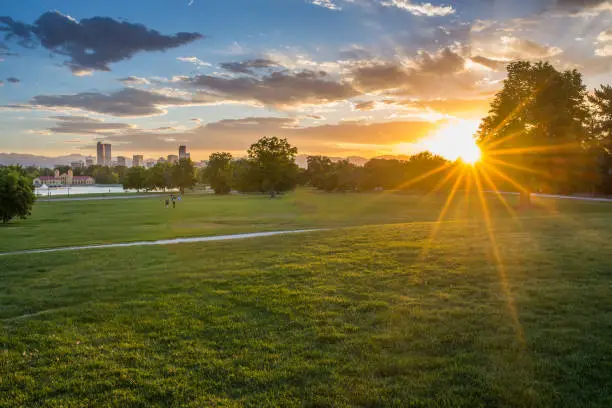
[100, 153]
[172, 158]
[108, 157]
[104, 154]
[89, 162]
[137, 160]
[121, 161]
[183, 152]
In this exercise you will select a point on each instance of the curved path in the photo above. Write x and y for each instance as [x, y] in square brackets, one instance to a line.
[159, 242]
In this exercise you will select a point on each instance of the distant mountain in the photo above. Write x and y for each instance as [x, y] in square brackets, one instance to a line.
[300, 160]
[394, 157]
[9, 159]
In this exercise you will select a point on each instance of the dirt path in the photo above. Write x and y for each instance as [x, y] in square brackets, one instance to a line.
[159, 242]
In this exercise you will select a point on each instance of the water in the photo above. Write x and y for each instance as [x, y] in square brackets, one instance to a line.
[79, 190]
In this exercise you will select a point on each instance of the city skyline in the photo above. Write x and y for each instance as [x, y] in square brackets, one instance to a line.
[334, 77]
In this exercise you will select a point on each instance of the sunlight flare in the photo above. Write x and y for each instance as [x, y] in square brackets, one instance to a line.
[455, 141]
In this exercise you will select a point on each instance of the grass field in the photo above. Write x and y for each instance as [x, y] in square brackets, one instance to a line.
[515, 313]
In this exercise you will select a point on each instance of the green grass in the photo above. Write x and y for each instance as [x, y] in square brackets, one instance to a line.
[361, 316]
[57, 224]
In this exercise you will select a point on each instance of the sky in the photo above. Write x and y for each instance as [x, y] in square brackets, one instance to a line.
[335, 77]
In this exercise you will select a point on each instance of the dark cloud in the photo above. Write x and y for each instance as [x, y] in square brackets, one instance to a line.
[493, 64]
[276, 89]
[247, 67]
[127, 102]
[378, 76]
[427, 76]
[364, 106]
[13, 80]
[91, 44]
[85, 125]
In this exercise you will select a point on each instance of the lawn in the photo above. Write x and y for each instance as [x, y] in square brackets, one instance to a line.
[515, 313]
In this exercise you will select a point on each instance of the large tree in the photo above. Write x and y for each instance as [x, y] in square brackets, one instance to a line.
[274, 160]
[183, 174]
[536, 126]
[218, 172]
[601, 104]
[16, 194]
[135, 178]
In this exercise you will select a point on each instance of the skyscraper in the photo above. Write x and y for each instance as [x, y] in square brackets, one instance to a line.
[100, 152]
[183, 152]
[108, 157]
[121, 161]
[137, 160]
[172, 158]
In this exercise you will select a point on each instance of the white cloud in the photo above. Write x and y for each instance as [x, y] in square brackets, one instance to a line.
[604, 44]
[328, 4]
[195, 60]
[420, 9]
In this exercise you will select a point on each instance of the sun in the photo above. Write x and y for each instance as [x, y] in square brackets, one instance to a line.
[454, 140]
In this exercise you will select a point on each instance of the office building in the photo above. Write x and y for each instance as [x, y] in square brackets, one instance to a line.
[172, 158]
[100, 154]
[161, 160]
[121, 161]
[183, 152]
[89, 162]
[108, 157]
[104, 154]
[137, 160]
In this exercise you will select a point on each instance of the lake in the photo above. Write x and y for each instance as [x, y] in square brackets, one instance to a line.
[79, 190]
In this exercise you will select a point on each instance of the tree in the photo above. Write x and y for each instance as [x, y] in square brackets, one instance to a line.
[157, 177]
[536, 127]
[601, 126]
[218, 172]
[183, 174]
[16, 194]
[135, 178]
[318, 172]
[274, 160]
[244, 176]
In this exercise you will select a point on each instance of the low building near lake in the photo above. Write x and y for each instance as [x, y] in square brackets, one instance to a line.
[67, 179]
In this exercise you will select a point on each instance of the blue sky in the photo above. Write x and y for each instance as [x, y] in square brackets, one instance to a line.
[336, 77]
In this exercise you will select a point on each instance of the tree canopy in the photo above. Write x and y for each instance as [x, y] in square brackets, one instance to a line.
[16, 193]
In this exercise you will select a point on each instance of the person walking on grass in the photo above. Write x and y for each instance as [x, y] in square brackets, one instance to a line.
[167, 203]
[173, 201]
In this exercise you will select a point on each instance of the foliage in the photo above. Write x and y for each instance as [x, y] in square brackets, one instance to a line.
[16, 193]
[218, 172]
[601, 103]
[183, 174]
[536, 126]
[274, 161]
[136, 178]
[245, 176]
[326, 175]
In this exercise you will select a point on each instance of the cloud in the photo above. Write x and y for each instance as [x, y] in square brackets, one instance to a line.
[133, 80]
[13, 80]
[604, 44]
[195, 60]
[246, 67]
[1, 83]
[128, 102]
[91, 44]
[237, 135]
[420, 9]
[429, 75]
[495, 65]
[364, 106]
[278, 89]
[85, 125]
[328, 4]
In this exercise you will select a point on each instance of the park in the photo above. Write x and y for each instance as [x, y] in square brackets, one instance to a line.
[370, 311]
[465, 262]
